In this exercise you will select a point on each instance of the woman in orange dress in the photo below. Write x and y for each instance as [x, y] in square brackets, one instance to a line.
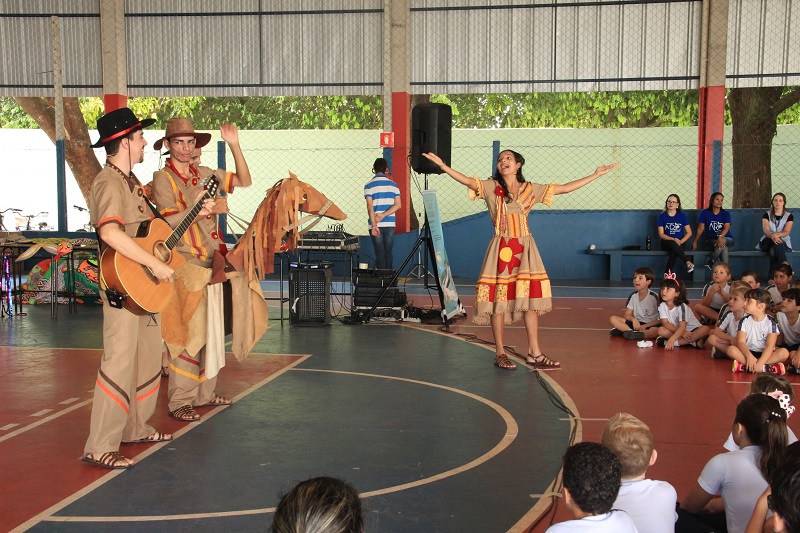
[513, 284]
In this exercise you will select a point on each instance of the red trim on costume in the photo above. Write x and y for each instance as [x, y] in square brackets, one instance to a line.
[175, 171]
[106, 220]
[147, 394]
[189, 359]
[121, 133]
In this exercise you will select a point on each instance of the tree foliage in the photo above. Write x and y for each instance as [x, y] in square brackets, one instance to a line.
[632, 109]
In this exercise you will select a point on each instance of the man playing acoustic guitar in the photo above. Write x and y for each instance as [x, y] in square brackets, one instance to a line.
[196, 345]
[127, 384]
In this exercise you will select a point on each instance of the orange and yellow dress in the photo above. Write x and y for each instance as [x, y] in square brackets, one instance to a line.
[512, 279]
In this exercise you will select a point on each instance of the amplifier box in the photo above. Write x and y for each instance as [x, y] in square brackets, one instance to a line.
[309, 297]
[369, 284]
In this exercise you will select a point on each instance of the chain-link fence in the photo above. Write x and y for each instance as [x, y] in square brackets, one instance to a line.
[654, 162]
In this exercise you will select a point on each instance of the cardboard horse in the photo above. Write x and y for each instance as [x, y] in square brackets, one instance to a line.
[275, 227]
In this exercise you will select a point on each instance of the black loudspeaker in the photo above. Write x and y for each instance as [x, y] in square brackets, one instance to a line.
[431, 127]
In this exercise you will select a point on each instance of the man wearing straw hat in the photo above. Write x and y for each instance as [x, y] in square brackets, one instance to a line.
[127, 384]
[196, 349]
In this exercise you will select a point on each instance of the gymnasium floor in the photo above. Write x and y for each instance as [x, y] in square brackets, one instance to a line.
[433, 436]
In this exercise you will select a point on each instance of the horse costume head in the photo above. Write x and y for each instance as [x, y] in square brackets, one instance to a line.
[276, 224]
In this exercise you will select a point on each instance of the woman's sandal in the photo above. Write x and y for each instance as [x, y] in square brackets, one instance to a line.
[185, 413]
[542, 361]
[110, 460]
[218, 400]
[502, 361]
[155, 437]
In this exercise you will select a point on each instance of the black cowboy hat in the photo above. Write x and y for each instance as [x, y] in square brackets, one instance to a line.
[117, 123]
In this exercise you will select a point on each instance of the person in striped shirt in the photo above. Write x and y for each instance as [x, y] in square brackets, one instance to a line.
[383, 201]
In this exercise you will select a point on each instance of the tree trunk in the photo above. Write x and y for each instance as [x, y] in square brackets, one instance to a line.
[77, 146]
[754, 117]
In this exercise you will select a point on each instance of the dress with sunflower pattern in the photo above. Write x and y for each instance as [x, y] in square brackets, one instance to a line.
[512, 279]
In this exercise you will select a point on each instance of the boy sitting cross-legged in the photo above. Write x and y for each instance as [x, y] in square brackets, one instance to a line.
[640, 320]
[788, 319]
[649, 503]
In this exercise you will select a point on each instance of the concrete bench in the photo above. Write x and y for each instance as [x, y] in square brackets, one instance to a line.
[699, 257]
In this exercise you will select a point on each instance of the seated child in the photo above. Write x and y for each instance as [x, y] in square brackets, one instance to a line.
[723, 336]
[759, 428]
[640, 320]
[756, 338]
[319, 504]
[782, 498]
[649, 503]
[781, 279]
[751, 278]
[715, 293]
[592, 475]
[788, 319]
[773, 385]
[679, 326]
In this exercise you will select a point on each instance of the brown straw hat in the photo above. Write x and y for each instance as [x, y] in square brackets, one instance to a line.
[181, 127]
[118, 123]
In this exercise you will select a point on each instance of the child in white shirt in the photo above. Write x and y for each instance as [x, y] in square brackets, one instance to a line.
[679, 326]
[649, 503]
[715, 294]
[591, 475]
[755, 349]
[640, 320]
[723, 336]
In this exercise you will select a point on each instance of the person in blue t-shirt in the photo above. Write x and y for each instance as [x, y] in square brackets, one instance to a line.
[383, 201]
[674, 230]
[714, 227]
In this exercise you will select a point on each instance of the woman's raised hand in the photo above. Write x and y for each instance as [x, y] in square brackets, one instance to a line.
[604, 169]
[434, 158]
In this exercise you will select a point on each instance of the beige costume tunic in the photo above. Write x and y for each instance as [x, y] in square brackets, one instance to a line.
[193, 326]
[127, 384]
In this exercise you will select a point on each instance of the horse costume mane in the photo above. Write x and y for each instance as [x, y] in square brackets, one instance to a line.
[276, 225]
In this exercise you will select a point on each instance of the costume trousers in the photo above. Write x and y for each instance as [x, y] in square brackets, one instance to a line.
[126, 389]
[675, 251]
[188, 383]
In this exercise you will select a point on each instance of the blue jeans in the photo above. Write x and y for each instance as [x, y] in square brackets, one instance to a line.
[383, 248]
[719, 253]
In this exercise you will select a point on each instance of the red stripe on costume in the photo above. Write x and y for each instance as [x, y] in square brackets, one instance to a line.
[113, 396]
[188, 359]
[106, 220]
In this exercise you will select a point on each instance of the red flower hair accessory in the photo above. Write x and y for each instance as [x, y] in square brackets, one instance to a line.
[499, 191]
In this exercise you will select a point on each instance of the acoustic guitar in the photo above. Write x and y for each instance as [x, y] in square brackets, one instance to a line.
[144, 293]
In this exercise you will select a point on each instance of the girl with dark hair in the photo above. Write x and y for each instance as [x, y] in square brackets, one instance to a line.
[513, 284]
[674, 230]
[679, 325]
[714, 226]
[755, 349]
[759, 430]
[319, 505]
[777, 225]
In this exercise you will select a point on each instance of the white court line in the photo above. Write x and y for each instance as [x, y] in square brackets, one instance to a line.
[586, 419]
[41, 421]
[41, 413]
[750, 382]
[68, 401]
[8, 426]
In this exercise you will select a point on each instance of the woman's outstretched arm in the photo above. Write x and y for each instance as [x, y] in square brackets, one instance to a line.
[456, 175]
[577, 184]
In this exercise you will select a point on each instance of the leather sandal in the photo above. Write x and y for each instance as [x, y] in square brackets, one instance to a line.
[502, 361]
[185, 413]
[542, 361]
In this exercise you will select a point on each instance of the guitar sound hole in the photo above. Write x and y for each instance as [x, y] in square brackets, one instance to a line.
[161, 251]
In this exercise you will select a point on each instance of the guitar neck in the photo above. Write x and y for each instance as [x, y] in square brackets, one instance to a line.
[175, 237]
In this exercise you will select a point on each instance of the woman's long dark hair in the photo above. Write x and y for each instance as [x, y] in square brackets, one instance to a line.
[772, 206]
[711, 200]
[764, 420]
[520, 178]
